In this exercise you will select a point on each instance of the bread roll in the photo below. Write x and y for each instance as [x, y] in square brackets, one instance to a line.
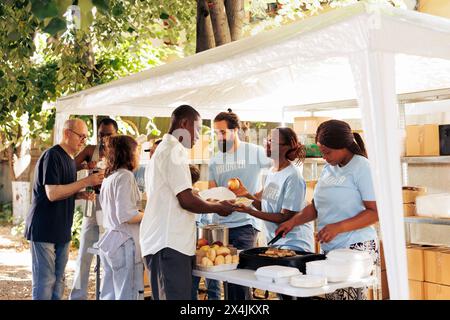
[224, 251]
[228, 259]
[211, 254]
[219, 260]
[235, 259]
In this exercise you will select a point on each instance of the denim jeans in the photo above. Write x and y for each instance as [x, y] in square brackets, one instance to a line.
[123, 278]
[48, 265]
[213, 288]
[89, 236]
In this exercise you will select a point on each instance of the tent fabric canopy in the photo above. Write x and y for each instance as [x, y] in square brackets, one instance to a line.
[366, 52]
[261, 72]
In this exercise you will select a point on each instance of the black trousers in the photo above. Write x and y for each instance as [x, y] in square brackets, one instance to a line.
[170, 274]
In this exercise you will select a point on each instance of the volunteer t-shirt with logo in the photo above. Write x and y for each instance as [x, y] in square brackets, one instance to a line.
[339, 195]
[286, 189]
[246, 163]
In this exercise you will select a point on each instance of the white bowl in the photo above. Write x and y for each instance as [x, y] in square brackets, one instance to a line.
[337, 271]
[316, 268]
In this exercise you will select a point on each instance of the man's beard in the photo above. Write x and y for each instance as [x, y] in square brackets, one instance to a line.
[225, 145]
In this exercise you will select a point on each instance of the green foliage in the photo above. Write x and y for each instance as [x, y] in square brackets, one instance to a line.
[19, 229]
[76, 226]
[42, 58]
[152, 129]
[44, 8]
[6, 216]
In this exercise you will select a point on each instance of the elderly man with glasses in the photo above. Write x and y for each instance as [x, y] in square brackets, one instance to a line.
[49, 222]
[90, 230]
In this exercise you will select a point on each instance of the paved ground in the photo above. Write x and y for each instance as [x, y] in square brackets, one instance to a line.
[15, 268]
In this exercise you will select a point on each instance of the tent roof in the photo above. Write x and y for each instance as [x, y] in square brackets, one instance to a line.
[302, 63]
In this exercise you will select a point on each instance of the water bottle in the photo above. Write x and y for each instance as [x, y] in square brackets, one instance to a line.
[89, 208]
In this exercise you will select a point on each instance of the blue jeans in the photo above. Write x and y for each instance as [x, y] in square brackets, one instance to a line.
[124, 277]
[48, 265]
[89, 236]
[213, 288]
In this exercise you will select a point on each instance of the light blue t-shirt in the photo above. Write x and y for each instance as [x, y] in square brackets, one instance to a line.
[286, 189]
[246, 164]
[339, 195]
[203, 219]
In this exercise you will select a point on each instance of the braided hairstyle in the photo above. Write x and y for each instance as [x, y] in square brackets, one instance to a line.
[337, 134]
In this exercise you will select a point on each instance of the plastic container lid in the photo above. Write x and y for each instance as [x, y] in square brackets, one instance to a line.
[308, 281]
[277, 272]
[348, 255]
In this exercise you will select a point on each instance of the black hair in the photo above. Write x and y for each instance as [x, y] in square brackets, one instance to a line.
[337, 134]
[195, 173]
[181, 113]
[230, 117]
[297, 152]
[107, 122]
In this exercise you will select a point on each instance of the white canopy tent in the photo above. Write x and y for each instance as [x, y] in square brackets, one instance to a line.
[364, 52]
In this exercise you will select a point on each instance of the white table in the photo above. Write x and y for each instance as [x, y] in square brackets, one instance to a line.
[247, 278]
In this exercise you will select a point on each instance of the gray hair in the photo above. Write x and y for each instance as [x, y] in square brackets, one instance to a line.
[71, 123]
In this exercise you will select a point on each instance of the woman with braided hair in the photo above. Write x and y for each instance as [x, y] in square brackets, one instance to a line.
[284, 191]
[344, 199]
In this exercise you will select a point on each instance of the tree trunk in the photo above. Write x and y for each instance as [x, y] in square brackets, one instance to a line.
[219, 21]
[205, 32]
[236, 16]
[10, 153]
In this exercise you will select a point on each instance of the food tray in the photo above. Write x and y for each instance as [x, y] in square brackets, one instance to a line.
[219, 268]
[250, 259]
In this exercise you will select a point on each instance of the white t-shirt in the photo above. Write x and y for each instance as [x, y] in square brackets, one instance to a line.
[166, 224]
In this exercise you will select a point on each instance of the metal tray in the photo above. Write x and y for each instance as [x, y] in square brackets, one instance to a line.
[250, 259]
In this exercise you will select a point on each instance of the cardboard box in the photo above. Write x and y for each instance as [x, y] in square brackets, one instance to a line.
[437, 265]
[431, 140]
[422, 140]
[410, 193]
[308, 125]
[433, 291]
[201, 149]
[384, 286]
[415, 256]
[409, 209]
[416, 290]
[413, 143]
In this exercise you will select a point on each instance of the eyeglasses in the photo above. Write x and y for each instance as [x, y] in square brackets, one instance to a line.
[81, 136]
